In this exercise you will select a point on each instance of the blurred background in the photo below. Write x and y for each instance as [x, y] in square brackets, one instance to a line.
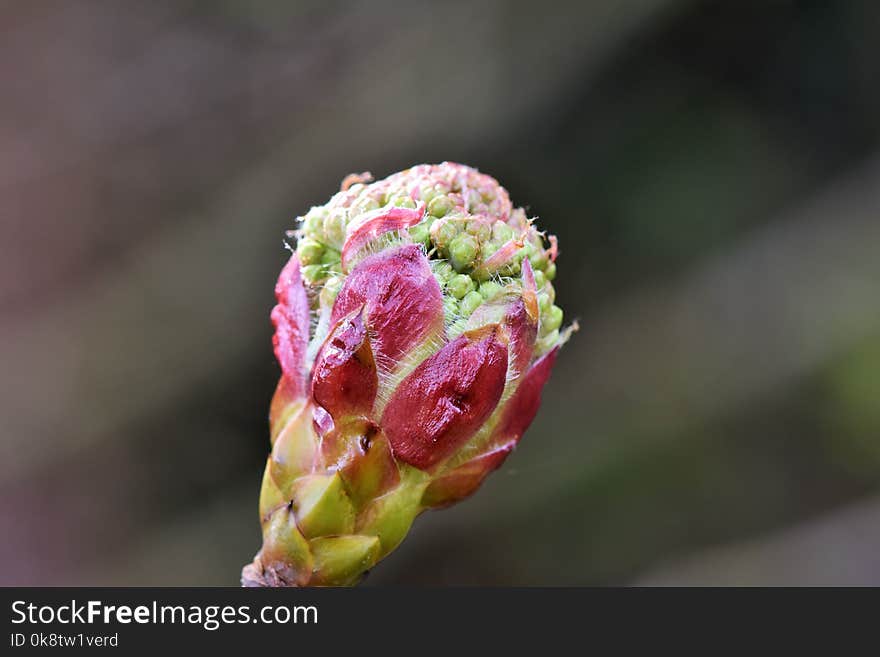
[712, 170]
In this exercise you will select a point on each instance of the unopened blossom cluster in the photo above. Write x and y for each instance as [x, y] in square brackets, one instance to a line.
[416, 326]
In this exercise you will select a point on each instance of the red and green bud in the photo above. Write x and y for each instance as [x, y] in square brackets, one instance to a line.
[415, 329]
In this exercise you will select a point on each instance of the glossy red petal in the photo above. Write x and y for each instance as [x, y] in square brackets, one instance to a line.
[291, 320]
[521, 327]
[402, 301]
[500, 258]
[529, 290]
[523, 330]
[370, 225]
[284, 402]
[447, 398]
[462, 481]
[344, 379]
[322, 421]
[523, 407]
[370, 470]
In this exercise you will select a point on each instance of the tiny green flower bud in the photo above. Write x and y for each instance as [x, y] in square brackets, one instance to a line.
[474, 198]
[501, 232]
[552, 320]
[546, 343]
[313, 222]
[489, 289]
[550, 271]
[489, 248]
[367, 204]
[420, 233]
[330, 291]
[513, 268]
[443, 271]
[445, 233]
[309, 251]
[538, 260]
[470, 302]
[313, 273]
[404, 202]
[463, 251]
[540, 279]
[460, 285]
[334, 229]
[330, 257]
[481, 230]
[439, 206]
[544, 302]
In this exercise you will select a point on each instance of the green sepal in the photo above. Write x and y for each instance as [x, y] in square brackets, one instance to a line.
[270, 497]
[294, 451]
[343, 560]
[370, 474]
[322, 506]
[390, 516]
[281, 410]
[285, 549]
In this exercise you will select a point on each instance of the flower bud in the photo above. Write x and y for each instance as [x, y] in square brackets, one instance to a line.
[415, 328]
